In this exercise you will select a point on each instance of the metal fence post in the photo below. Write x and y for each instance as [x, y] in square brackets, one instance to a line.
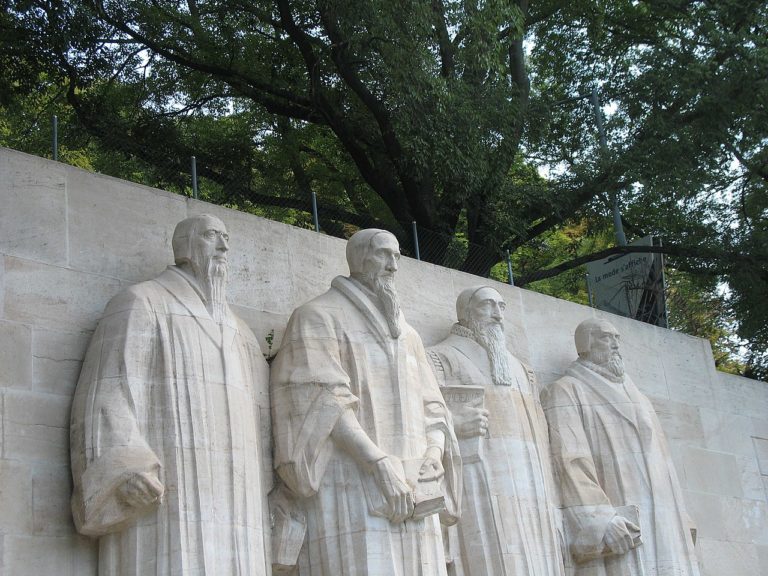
[416, 240]
[315, 216]
[621, 239]
[665, 312]
[193, 162]
[509, 269]
[55, 137]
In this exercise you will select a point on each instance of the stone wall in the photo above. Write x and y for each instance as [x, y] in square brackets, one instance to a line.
[69, 240]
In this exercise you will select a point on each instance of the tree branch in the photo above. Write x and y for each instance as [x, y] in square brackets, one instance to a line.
[447, 49]
[569, 202]
[339, 51]
[274, 99]
[759, 171]
[698, 252]
[378, 180]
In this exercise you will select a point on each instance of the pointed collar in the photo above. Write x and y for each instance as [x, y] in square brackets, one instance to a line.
[619, 395]
[191, 280]
[187, 293]
[364, 300]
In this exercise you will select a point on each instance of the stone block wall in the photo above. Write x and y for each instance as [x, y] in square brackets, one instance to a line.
[70, 240]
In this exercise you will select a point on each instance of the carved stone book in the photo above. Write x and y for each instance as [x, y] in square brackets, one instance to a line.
[289, 526]
[428, 496]
[458, 398]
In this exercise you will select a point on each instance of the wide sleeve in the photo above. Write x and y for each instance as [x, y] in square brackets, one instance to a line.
[587, 508]
[438, 419]
[310, 392]
[107, 445]
[437, 364]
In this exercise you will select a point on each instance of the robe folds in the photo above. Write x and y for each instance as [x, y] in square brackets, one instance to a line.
[508, 525]
[337, 354]
[609, 452]
[168, 392]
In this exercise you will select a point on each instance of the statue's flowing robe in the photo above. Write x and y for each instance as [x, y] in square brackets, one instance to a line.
[508, 524]
[337, 354]
[168, 392]
[609, 451]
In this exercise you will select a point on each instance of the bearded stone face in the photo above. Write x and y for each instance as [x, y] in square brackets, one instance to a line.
[486, 321]
[209, 244]
[379, 267]
[208, 259]
[604, 351]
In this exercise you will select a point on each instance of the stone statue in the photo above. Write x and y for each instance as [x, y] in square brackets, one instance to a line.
[623, 505]
[507, 525]
[361, 431]
[165, 432]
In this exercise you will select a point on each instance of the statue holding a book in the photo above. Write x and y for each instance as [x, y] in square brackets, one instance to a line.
[363, 443]
[623, 505]
[508, 525]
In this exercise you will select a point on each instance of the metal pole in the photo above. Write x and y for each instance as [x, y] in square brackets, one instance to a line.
[55, 142]
[621, 239]
[509, 269]
[194, 177]
[599, 120]
[416, 240]
[314, 212]
[663, 288]
[589, 291]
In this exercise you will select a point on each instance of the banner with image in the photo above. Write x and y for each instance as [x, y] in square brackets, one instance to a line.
[630, 285]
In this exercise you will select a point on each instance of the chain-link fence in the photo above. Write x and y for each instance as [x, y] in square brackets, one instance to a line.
[283, 192]
[286, 196]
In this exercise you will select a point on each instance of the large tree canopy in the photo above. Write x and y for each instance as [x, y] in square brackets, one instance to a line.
[468, 117]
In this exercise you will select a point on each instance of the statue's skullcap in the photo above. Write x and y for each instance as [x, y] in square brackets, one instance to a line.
[358, 246]
[464, 301]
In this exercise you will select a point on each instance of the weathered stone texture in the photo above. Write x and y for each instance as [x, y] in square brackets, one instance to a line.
[70, 240]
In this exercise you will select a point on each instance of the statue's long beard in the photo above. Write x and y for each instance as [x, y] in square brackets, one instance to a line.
[490, 335]
[212, 277]
[384, 288]
[610, 361]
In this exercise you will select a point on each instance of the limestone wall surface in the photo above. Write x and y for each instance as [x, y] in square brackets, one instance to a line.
[70, 240]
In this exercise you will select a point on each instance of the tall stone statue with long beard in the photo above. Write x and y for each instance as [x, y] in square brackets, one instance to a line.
[360, 425]
[508, 525]
[165, 438]
[622, 502]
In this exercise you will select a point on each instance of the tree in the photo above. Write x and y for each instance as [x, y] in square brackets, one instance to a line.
[445, 113]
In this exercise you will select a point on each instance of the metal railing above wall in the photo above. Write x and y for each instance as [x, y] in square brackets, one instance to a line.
[189, 176]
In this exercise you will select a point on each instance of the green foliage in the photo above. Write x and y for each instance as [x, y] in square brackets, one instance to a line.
[698, 306]
[559, 245]
[471, 118]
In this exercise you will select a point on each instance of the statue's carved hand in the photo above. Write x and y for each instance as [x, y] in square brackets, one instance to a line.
[140, 490]
[470, 421]
[432, 467]
[621, 535]
[396, 491]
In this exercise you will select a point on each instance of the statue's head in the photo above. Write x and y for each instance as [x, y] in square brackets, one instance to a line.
[371, 253]
[372, 256]
[597, 341]
[200, 246]
[595, 333]
[481, 310]
[199, 241]
[480, 306]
